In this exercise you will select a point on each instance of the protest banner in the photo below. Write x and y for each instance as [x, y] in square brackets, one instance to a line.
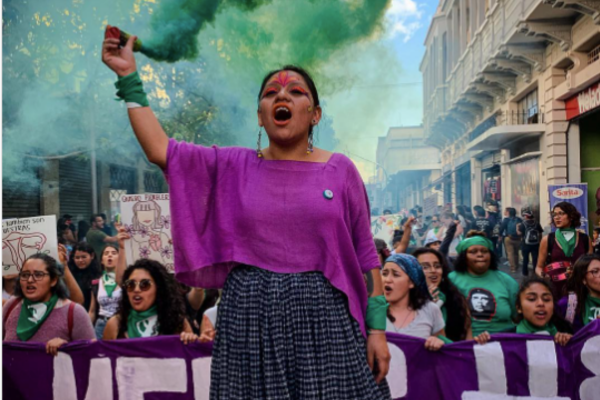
[574, 193]
[509, 367]
[383, 226]
[23, 237]
[147, 218]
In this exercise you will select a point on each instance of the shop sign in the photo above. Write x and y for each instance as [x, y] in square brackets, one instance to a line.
[583, 102]
[574, 193]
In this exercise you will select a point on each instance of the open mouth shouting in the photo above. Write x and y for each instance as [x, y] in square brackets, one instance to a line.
[540, 315]
[30, 289]
[387, 289]
[281, 114]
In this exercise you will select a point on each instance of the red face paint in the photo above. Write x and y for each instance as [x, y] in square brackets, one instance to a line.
[283, 78]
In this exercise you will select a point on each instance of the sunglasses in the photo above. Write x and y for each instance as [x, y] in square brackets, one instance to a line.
[144, 285]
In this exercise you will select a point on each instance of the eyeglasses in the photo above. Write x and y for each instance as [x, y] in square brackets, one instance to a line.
[37, 275]
[558, 214]
[144, 285]
[595, 273]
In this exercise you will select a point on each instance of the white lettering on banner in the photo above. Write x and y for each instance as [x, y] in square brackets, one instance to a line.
[100, 385]
[398, 369]
[63, 383]
[136, 376]
[543, 368]
[588, 100]
[590, 357]
[201, 371]
[491, 373]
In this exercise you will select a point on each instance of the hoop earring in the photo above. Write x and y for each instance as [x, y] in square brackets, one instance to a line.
[310, 149]
[259, 153]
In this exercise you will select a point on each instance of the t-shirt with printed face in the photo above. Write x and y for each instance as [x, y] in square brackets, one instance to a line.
[491, 298]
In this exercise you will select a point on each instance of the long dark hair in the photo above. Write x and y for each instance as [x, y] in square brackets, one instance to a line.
[300, 71]
[571, 211]
[575, 282]
[559, 322]
[457, 315]
[460, 264]
[169, 301]
[55, 270]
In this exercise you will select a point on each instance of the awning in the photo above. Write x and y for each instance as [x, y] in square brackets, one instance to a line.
[501, 137]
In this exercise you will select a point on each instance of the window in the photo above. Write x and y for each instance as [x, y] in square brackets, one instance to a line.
[527, 108]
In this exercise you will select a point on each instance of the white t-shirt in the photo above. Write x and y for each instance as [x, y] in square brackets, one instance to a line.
[108, 305]
[428, 321]
[211, 314]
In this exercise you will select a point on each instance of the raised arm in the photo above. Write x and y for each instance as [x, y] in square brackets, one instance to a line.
[148, 131]
[75, 293]
[122, 236]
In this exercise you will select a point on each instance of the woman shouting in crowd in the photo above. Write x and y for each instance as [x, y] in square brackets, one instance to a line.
[285, 230]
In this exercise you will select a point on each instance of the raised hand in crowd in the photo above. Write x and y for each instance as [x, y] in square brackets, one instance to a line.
[405, 242]
[122, 236]
[75, 293]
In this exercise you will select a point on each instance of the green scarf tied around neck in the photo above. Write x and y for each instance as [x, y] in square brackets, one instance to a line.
[526, 327]
[33, 314]
[142, 324]
[568, 246]
[591, 310]
[110, 284]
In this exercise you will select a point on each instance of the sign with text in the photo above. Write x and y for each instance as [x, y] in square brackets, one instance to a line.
[509, 367]
[23, 237]
[574, 193]
[583, 102]
[147, 218]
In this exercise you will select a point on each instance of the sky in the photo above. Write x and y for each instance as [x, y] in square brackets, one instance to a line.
[392, 94]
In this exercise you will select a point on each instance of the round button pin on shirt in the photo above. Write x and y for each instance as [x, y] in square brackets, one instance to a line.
[328, 194]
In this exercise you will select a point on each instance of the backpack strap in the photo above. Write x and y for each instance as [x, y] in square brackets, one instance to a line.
[8, 311]
[70, 319]
[571, 307]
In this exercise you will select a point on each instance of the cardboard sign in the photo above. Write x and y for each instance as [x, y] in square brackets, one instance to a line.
[24, 237]
[147, 218]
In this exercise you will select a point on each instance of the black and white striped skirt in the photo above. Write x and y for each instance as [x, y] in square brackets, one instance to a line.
[288, 336]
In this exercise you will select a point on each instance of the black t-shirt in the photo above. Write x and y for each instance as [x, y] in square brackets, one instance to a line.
[484, 225]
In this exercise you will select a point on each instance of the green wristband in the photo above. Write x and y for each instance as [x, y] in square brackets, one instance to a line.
[376, 313]
[131, 90]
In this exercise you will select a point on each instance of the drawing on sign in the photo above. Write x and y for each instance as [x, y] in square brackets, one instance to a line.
[18, 246]
[150, 231]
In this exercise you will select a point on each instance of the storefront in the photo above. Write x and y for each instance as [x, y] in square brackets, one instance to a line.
[463, 185]
[491, 178]
[583, 112]
[525, 184]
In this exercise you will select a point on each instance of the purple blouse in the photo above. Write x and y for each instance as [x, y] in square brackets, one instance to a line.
[229, 207]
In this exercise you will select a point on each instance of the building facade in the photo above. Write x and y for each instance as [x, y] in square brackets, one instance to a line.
[406, 165]
[512, 98]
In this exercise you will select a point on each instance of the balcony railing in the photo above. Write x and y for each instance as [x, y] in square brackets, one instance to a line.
[519, 118]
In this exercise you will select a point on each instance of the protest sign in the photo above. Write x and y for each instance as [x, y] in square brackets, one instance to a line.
[574, 193]
[383, 226]
[23, 237]
[509, 367]
[147, 218]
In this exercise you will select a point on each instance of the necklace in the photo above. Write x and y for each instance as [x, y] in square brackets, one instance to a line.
[403, 322]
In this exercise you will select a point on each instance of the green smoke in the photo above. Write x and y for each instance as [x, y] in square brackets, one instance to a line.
[318, 27]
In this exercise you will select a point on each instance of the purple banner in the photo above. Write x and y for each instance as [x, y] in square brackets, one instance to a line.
[515, 367]
[574, 193]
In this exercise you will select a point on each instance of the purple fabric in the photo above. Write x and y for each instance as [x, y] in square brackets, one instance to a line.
[454, 372]
[55, 326]
[229, 207]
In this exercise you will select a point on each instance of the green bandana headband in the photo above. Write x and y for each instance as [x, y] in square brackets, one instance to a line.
[526, 327]
[110, 284]
[475, 241]
[131, 90]
[33, 314]
[142, 324]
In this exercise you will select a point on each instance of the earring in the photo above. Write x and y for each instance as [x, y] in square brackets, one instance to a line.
[310, 149]
[259, 153]
[314, 121]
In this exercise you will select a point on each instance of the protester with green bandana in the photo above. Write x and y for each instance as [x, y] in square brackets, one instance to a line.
[559, 250]
[445, 295]
[582, 304]
[40, 310]
[535, 305]
[141, 314]
[491, 294]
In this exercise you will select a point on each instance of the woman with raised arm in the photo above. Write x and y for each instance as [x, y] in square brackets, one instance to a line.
[285, 230]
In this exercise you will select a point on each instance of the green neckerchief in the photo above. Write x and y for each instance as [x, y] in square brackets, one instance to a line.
[142, 324]
[376, 315]
[442, 297]
[568, 246]
[436, 230]
[110, 284]
[33, 314]
[591, 310]
[525, 327]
